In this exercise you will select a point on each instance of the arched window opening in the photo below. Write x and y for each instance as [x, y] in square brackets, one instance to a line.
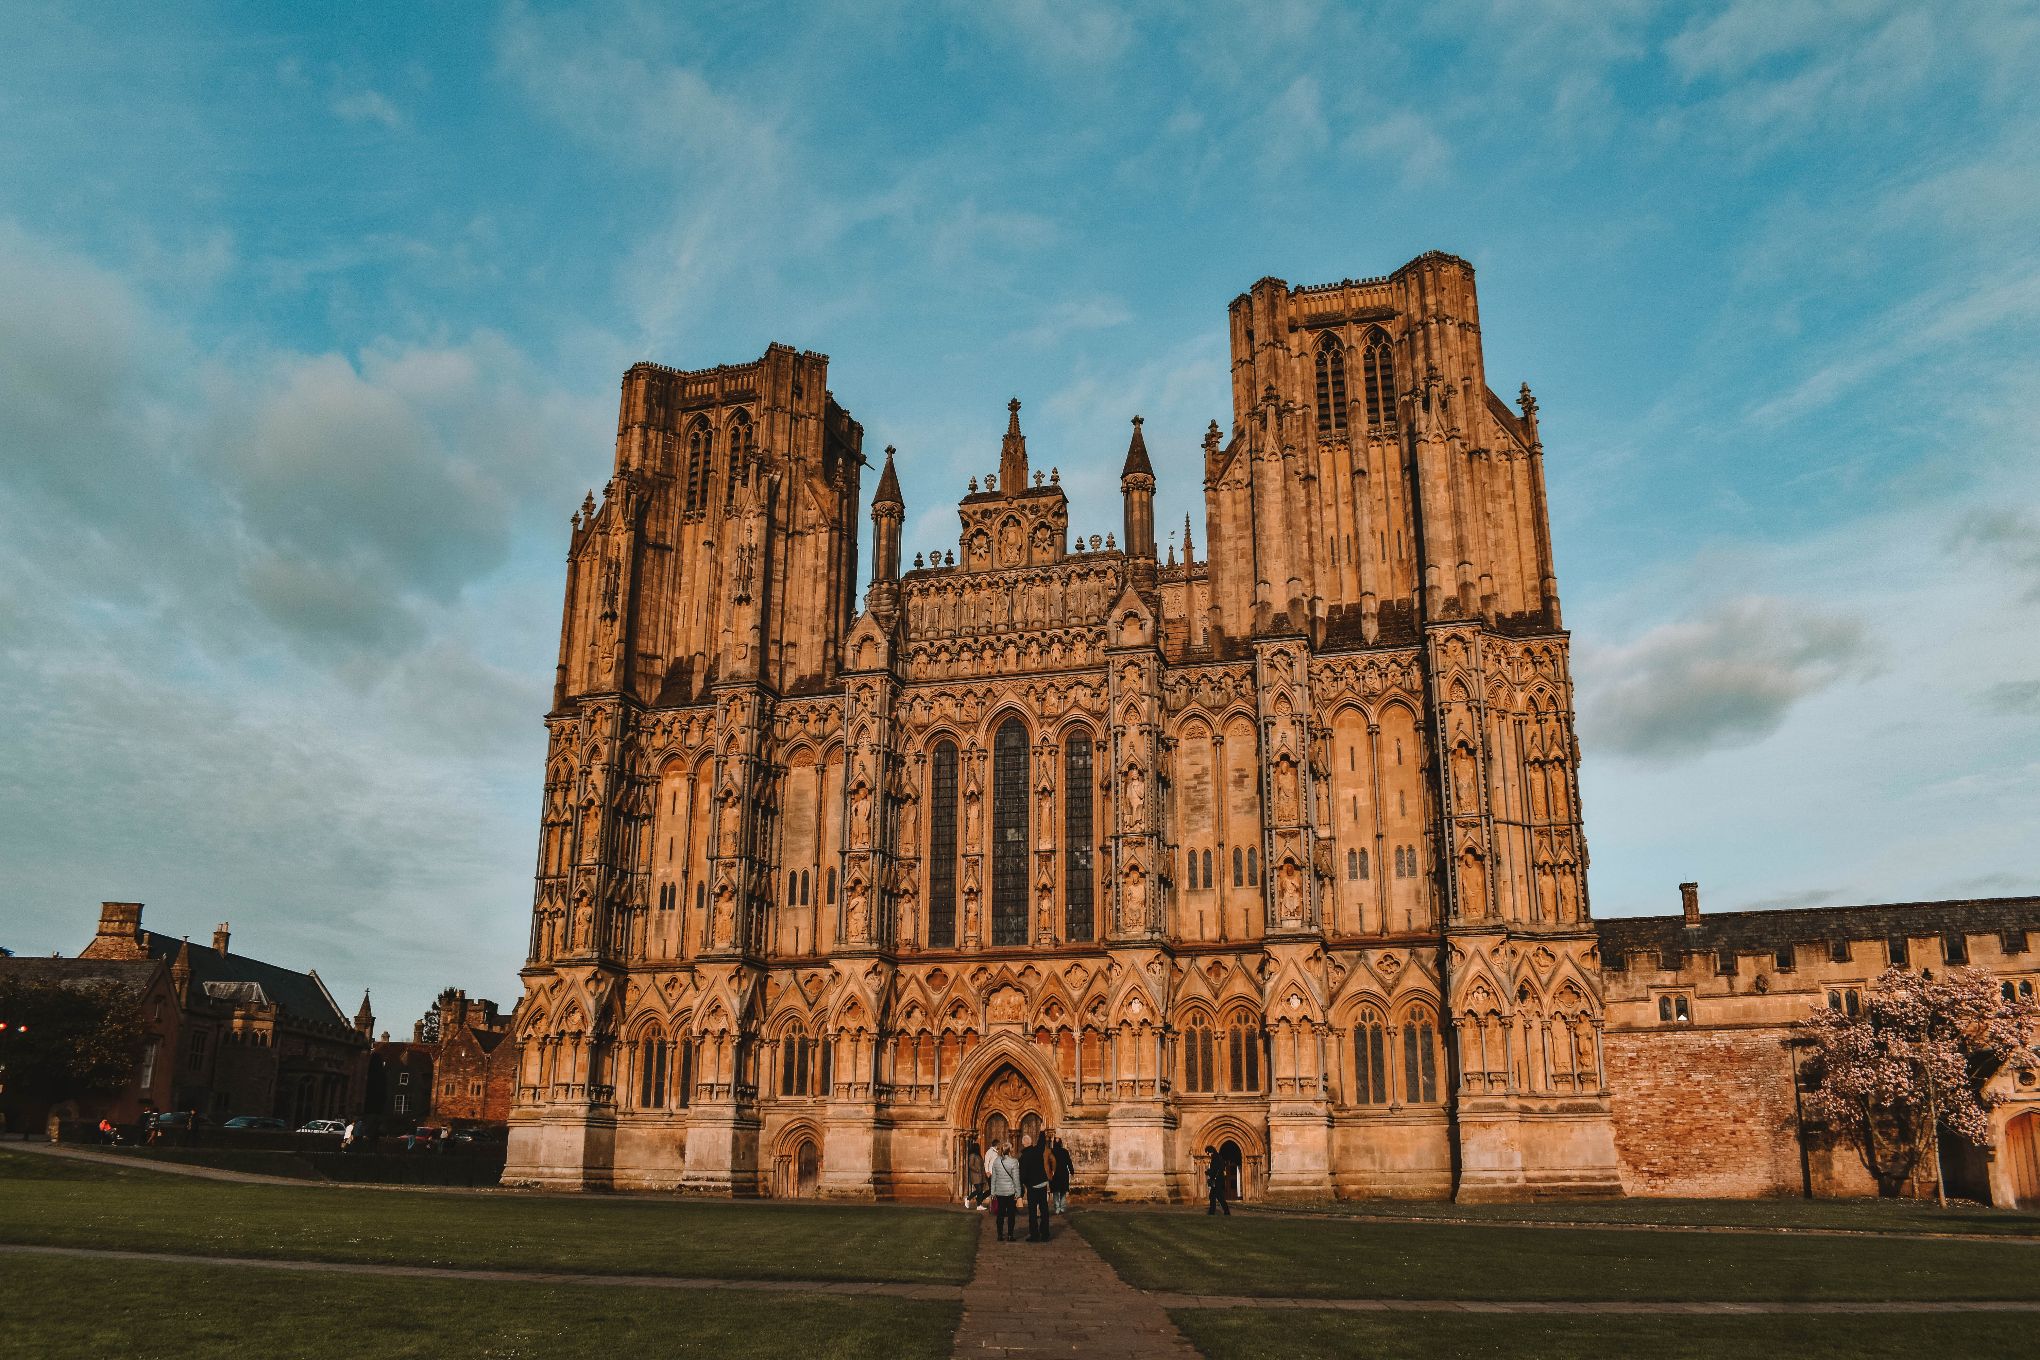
[1353, 865]
[1243, 1051]
[804, 887]
[1253, 866]
[1079, 882]
[1420, 1060]
[743, 441]
[1377, 378]
[1363, 864]
[796, 1064]
[683, 1086]
[1331, 385]
[1199, 1048]
[832, 887]
[1238, 868]
[1009, 834]
[792, 888]
[652, 1074]
[1207, 868]
[942, 847]
[1370, 1060]
[700, 465]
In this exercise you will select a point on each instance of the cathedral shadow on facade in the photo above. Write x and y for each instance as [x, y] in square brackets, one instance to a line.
[1276, 850]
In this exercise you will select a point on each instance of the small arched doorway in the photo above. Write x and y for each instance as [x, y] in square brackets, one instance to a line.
[2022, 1157]
[807, 1170]
[1008, 1105]
[1232, 1160]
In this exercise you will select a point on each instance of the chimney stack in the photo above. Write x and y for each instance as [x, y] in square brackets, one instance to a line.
[1689, 898]
[120, 932]
[219, 938]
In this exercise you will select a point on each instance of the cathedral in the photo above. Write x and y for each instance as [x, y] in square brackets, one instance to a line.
[1272, 855]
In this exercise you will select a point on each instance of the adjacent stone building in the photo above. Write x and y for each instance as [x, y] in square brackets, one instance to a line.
[1275, 851]
[474, 1062]
[226, 1034]
[1701, 1012]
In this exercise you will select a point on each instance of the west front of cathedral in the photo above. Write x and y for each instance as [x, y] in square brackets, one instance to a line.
[1274, 851]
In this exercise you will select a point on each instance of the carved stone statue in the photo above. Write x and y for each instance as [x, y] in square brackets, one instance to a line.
[1289, 893]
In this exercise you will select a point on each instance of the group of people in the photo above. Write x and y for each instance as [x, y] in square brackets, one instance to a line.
[1039, 1170]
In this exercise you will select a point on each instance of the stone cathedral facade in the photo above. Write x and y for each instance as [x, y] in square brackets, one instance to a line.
[1275, 850]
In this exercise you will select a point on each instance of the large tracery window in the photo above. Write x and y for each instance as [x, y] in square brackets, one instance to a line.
[1243, 1043]
[1331, 385]
[942, 848]
[1377, 378]
[700, 460]
[1009, 834]
[1078, 880]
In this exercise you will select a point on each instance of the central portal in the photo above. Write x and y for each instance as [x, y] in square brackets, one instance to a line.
[1008, 1107]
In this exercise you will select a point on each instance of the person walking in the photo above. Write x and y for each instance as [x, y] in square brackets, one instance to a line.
[993, 1148]
[1004, 1173]
[1215, 1177]
[1059, 1179]
[1034, 1175]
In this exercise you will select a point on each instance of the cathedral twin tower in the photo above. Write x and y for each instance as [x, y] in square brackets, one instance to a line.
[1275, 852]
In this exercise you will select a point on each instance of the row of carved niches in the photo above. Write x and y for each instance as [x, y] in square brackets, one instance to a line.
[1060, 597]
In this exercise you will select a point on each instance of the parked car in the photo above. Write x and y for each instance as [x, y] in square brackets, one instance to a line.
[181, 1119]
[336, 1127]
[256, 1121]
[425, 1138]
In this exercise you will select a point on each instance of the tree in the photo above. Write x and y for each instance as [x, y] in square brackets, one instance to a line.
[427, 1031]
[62, 1040]
[1914, 1063]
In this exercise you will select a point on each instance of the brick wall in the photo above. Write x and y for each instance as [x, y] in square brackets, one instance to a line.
[1704, 1112]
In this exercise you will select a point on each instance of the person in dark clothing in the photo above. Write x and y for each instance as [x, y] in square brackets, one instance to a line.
[1034, 1175]
[1216, 1175]
[1059, 1179]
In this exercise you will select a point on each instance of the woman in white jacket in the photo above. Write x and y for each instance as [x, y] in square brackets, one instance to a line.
[1005, 1177]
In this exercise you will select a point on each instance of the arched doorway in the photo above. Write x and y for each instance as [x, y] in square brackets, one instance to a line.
[1230, 1157]
[797, 1169]
[2022, 1157]
[1008, 1105]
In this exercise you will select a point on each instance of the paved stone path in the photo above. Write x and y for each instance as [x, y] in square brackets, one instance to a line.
[1058, 1298]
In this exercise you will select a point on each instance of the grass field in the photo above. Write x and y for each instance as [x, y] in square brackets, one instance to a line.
[45, 1201]
[1296, 1334]
[1272, 1256]
[1845, 1215]
[118, 1308]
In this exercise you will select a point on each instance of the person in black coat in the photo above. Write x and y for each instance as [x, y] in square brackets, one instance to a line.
[1034, 1176]
[1216, 1175]
[1059, 1179]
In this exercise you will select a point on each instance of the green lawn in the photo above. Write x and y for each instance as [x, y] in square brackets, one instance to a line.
[1849, 1215]
[89, 1310]
[1272, 1256]
[50, 1202]
[1297, 1334]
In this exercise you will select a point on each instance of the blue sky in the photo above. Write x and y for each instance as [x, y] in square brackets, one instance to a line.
[311, 323]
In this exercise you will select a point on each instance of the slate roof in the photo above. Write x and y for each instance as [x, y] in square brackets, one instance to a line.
[1760, 931]
[131, 976]
[300, 994]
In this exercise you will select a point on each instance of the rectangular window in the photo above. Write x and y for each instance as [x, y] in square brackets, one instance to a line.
[1783, 960]
[403, 1104]
[942, 848]
[1668, 959]
[2012, 941]
[1370, 1065]
[1724, 963]
[1838, 951]
[1955, 949]
[403, 1078]
[1897, 949]
[195, 1050]
[148, 1077]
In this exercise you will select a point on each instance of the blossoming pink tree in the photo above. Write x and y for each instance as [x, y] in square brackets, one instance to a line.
[1916, 1061]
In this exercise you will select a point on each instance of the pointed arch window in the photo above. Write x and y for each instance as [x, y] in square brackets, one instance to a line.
[1377, 377]
[942, 847]
[1199, 1048]
[1370, 1059]
[1243, 1050]
[1420, 1059]
[700, 464]
[1331, 385]
[1079, 882]
[1207, 868]
[1009, 834]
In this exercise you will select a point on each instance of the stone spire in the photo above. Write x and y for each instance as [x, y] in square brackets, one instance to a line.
[888, 512]
[1137, 489]
[364, 1019]
[1013, 453]
[1189, 544]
